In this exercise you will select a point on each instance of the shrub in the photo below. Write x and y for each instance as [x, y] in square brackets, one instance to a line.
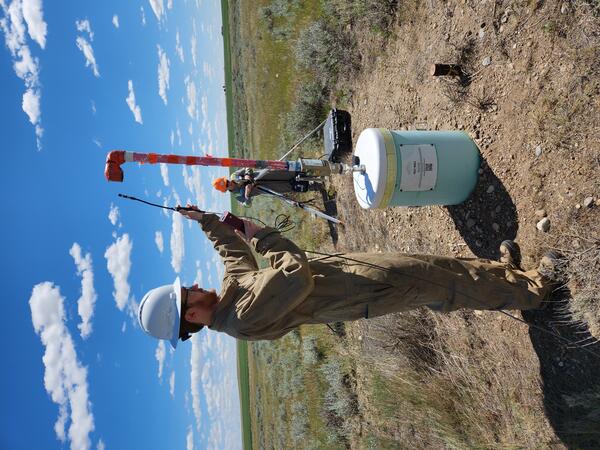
[582, 268]
[325, 52]
[310, 352]
[278, 8]
[377, 15]
[277, 17]
[299, 421]
[309, 110]
[339, 398]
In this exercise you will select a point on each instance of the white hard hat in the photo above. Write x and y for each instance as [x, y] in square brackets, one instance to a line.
[160, 312]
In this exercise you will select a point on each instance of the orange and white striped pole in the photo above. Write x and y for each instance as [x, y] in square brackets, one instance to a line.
[114, 160]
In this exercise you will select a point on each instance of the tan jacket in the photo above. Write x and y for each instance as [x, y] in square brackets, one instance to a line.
[268, 303]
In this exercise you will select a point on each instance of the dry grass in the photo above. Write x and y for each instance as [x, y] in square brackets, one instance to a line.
[581, 270]
[439, 382]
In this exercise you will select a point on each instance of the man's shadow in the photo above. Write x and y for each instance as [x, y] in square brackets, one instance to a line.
[570, 375]
[330, 208]
[487, 217]
[570, 372]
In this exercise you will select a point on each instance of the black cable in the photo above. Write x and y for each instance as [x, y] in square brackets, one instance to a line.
[256, 219]
[283, 224]
[129, 197]
[176, 209]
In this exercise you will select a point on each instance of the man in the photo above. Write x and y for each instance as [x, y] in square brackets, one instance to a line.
[244, 182]
[267, 303]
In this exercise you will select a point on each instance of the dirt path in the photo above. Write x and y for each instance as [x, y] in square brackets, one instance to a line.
[532, 105]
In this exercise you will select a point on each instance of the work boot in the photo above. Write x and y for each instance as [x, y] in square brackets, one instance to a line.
[552, 267]
[510, 253]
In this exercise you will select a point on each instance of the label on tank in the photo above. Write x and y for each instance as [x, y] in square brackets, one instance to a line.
[312, 162]
[419, 167]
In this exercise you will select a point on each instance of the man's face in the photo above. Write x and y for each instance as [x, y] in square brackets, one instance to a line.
[199, 305]
[230, 185]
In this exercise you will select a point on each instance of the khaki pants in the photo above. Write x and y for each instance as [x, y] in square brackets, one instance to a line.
[447, 284]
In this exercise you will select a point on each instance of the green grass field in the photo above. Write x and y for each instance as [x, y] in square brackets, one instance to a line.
[228, 73]
[242, 346]
[244, 388]
[264, 77]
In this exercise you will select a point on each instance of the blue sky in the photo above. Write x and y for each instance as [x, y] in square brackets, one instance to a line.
[78, 79]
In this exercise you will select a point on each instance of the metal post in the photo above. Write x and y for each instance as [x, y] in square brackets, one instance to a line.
[449, 70]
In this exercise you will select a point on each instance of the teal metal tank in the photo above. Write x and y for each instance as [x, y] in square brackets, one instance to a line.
[415, 168]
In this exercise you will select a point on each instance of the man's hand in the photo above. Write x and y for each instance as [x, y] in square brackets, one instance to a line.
[248, 190]
[250, 229]
[192, 212]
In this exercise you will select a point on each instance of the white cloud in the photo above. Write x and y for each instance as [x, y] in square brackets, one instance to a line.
[164, 173]
[166, 203]
[177, 244]
[17, 16]
[115, 21]
[190, 439]
[143, 15]
[198, 279]
[170, 4]
[187, 179]
[178, 47]
[88, 53]
[65, 379]
[33, 15]
[118, 262]
[158, 7]
[208, 70]
[190, 88]
[158, 239]
[195, 374]
[193, 45]
[178, 131]
[87, 301]
[209, 29]
[31, 105]
[83, 26]
[204, 113]
[27, 67]
[135, 109]
[172, 138]
[172, 384]
[163, 74]
[160, 355]
[113, 214]
[192, 178]
[213, 379]
[100, 445]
